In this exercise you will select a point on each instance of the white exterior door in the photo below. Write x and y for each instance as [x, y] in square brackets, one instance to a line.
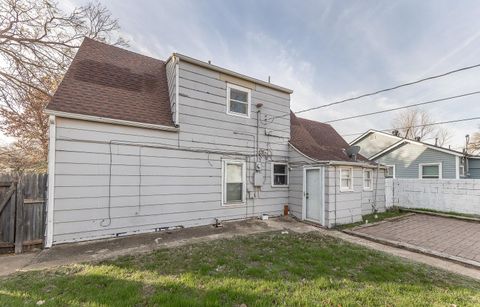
[313, 195]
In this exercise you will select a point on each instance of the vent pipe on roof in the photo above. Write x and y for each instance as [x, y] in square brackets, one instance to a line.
[436, 141]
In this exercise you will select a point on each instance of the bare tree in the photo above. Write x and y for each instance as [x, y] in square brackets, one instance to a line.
[473, 146]
[443, 135]
[37, 43]
[416, 124]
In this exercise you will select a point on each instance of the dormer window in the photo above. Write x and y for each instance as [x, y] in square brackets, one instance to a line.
[238, 100]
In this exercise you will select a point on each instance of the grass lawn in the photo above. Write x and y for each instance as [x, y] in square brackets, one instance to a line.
[261, 270]
[371, 218]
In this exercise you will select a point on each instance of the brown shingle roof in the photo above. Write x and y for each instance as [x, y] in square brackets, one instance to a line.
[319, 141]
[111, 82]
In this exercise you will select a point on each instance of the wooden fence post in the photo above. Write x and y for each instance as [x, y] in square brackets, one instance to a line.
[19, 218]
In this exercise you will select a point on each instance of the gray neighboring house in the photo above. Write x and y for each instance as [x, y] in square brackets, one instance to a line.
[405, 158]
[139, 145]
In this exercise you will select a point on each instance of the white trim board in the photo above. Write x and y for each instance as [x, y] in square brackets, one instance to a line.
[111, 120]
[230, 72]
[304, 190]
[51, 180]
[420, 170]
[358, 139]
[402, 141]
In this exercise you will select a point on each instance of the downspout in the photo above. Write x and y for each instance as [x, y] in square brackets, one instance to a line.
[374, 206]
[335, 202]
[51, 180]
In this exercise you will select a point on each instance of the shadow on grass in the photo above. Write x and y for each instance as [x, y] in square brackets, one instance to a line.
[267, 269]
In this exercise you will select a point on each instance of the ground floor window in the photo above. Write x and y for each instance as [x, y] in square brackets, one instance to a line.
[430, 171]
[367, 179]
[234, 182]
[346, 179]
[279, 174]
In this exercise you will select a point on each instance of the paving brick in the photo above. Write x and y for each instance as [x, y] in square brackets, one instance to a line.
[447, 235]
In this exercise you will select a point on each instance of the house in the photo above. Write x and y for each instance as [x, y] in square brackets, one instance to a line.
[350, 186]
[407, 158]
[138, 145]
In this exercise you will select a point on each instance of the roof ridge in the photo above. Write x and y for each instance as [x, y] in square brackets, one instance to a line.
[122, 49]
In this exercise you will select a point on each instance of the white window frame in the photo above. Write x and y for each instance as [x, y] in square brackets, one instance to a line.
[249, 100]
[273, 175]
[394, 171]
[368, 170]
[349, 188]
[420, 170]
[224, 182]
[461, 167]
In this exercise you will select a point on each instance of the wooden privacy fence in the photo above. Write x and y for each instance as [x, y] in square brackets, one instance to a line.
[22, 211]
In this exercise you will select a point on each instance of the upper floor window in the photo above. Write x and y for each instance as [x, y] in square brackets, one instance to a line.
[430, 171]
[238, 100]
[390, 171]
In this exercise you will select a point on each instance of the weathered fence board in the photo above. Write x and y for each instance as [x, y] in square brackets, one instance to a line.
[22, 211]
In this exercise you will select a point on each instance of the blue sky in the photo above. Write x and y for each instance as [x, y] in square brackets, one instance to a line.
[325, 50]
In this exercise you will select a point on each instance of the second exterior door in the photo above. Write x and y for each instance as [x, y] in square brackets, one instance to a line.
[314, 193]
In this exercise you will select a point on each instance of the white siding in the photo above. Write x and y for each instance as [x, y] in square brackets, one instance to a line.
[345, 207]
[341, 207]
[162, 179]
[295, 195]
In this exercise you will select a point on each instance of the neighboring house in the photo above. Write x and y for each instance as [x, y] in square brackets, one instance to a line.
[407, 158]
[139, 145]
[322, 172]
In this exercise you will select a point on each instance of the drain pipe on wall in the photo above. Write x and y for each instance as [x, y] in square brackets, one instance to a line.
[375, 191]
[335, 185]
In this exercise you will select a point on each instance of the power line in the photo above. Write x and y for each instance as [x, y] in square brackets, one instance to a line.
[404, 107]
[424, 125]
[395, 109]
[386, 89]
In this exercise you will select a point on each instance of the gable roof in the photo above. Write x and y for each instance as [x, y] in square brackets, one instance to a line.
[110, 82]
[319, 141]
[401, 141]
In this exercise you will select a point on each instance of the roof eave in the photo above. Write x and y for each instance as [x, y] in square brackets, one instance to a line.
[335, 162]
[229, 72]
[108, 120]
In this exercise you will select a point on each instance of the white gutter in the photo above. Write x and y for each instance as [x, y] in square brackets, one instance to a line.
[230, 72]
[51, 181]
[111, 120]
[330, 162]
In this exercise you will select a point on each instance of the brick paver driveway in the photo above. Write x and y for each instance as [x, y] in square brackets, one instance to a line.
[447, 236]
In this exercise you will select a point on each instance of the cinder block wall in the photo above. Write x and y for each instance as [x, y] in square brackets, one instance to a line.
[449, 195]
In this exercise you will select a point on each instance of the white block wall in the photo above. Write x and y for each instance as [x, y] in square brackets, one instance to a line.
[449, 195]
